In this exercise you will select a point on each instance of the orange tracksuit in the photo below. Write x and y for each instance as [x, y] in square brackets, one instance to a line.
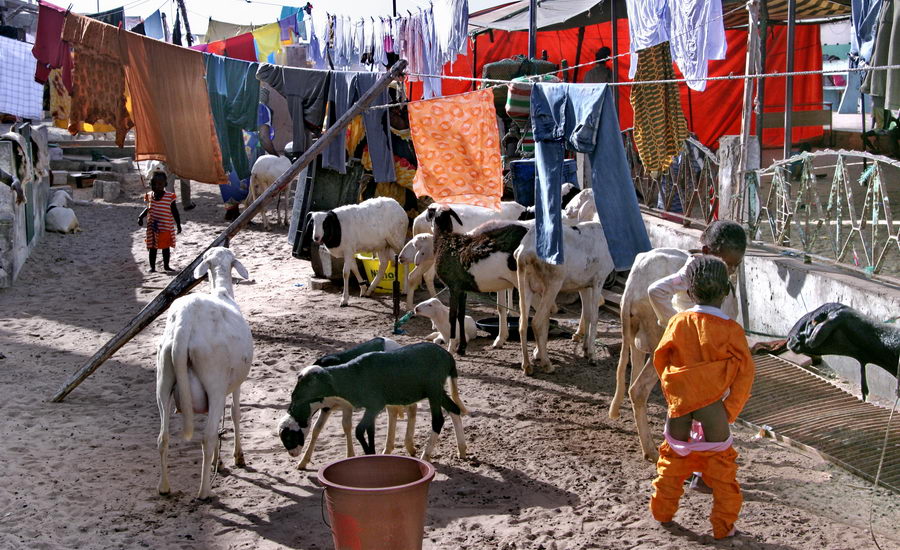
[700, 357]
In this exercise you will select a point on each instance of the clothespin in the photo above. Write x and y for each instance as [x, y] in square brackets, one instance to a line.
[68, 10]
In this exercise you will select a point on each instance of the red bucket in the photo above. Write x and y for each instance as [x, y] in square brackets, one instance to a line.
[377, 501]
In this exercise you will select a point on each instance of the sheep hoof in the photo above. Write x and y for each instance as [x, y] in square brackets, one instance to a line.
[344, 303]
[301, 466]
[577, 337]
[527, 369]
[164, 491]
[548, 368]
[239, 462]
[651, 456]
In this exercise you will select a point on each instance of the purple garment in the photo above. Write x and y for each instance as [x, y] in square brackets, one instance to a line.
[201, 47]
[287, 25]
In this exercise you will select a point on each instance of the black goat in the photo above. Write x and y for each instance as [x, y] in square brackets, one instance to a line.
[836, 329]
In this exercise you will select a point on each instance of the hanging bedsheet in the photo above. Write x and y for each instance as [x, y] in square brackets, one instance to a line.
[20, 95]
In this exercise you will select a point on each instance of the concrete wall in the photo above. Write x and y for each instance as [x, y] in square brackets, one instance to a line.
[14, 246]
[781, 289]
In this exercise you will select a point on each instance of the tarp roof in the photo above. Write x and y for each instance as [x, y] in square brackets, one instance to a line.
[554, 15]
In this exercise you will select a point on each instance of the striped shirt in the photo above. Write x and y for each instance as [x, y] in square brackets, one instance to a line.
[159, 218]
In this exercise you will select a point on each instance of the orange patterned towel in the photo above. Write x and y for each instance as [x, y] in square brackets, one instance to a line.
[458, 148]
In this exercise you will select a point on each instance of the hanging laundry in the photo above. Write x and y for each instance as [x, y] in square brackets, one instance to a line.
[698, 35]
[49, 49]
[451, 24]
[291, 27]
[20, 95]
[176, 31]
[583, 117]
[131, 22]
[202, 47]
[61, 106]
[518, 108]
[306, 91]
[139, 29]
[98, 91]
[153, 26]
[659, 125]
[346, 88]
[114, 17]
[217, 47]
[864, 17]
[220, 30]
[268, 42]
[274, 115]
[884, 86]
[241, 47]
[457, 146]
[234, 103]
[171, 109]
[648, 23]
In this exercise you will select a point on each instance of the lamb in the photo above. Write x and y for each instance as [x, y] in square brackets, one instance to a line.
[374, 225]
[480, 261]
[588, 264]
[836, 329]
[641, 334]
[204, 354]
[329, 404]
[419, 251]
[59, 217]
[440, 321]
[374, 380]
[265, 171]
[582, 208]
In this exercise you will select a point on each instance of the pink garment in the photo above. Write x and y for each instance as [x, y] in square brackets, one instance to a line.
[49, 49]
[201, 47]
[697, 442]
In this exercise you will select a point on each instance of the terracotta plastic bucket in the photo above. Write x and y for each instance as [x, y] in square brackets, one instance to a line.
[377, 501]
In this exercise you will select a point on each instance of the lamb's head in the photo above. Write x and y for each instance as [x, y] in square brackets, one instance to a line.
[431, 308]
[418, 250]
[832, 329]
[442, 217]
[217, 262]
[313, 385]
[326, 229]
[568, 192]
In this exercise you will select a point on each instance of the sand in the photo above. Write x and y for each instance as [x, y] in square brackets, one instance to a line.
[547, 467]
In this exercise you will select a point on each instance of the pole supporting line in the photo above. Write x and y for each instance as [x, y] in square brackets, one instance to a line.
[614, 19]
[789, 82]
[184, 281]
[532, 29]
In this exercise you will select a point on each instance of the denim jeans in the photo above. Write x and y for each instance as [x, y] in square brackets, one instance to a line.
[583, 117]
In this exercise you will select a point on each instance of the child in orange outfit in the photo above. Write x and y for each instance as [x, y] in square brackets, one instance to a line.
[706, 371]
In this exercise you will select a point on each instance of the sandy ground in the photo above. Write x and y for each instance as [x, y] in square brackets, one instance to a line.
[547, 467]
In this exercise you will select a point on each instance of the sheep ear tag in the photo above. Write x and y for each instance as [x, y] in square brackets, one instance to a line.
[241, 270]
[201, 270]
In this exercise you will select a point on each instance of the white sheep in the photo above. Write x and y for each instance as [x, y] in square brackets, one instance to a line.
[641, 333]
[419, 251]
[204, 354]
[377, 225]
[588, 263]
[440, 321]
[59, 217]
[469, 216]
[582, 208]
[265, 171]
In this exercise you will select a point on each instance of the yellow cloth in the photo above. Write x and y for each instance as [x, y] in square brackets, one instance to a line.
[701, 356]
[61, 105]
[268, 41]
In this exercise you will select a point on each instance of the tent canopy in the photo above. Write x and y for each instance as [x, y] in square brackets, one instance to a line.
[556, 15]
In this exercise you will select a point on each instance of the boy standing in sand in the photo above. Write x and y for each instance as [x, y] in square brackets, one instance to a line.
[706, 372]
[162, 220]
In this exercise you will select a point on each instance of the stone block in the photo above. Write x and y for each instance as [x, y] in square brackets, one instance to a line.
[111, 190]
[97, 190]
[317, 283]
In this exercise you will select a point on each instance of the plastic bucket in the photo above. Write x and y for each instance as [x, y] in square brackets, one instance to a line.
[523, 178]
[377, 501]
[386, 286]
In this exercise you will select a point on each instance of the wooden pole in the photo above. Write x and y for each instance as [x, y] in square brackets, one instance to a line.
[185, 281]
[752, 67]
[614, 19]
[532, 29]
[761, 83]
[578, 53]
[187, 26]
[789, 80]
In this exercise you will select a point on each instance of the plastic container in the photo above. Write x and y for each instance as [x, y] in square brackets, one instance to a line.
[386, 286]
[377, 502]
[491, 325]
[523, 178]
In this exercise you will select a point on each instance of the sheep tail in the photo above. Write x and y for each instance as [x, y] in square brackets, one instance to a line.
[180, 363]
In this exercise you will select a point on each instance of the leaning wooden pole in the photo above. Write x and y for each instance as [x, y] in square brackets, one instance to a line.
[185, 280]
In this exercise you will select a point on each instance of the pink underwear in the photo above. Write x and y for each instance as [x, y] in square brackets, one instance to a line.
[697, 442]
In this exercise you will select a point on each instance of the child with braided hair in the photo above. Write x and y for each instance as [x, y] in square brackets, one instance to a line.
[706, 372]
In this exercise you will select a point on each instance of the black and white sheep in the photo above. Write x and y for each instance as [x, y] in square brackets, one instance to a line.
[836, 329]
[204, 354]
[479, 261]
[372, 381]
[376, 225]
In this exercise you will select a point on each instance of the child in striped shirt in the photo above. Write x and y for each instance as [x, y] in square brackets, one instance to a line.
[162, 220]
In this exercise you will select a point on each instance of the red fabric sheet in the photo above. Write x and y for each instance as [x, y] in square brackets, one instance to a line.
[241, 46]
[710, 114]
